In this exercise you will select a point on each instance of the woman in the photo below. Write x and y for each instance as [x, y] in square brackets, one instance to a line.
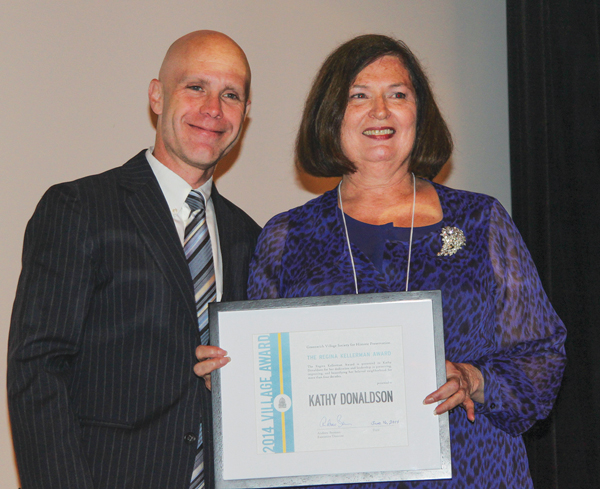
[372, 119]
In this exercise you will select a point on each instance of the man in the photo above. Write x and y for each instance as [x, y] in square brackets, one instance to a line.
[102, 349]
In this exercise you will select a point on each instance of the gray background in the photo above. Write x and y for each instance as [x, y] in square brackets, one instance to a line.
[74, 98]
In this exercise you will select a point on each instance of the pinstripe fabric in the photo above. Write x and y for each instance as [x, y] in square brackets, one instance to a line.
[101, 350]
[198, 253]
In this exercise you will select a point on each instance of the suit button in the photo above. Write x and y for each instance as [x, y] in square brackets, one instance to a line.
[190, 438]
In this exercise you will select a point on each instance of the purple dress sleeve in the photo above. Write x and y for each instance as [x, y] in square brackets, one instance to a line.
[521, 374]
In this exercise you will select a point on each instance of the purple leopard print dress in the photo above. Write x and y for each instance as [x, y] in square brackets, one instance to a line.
[496, 317]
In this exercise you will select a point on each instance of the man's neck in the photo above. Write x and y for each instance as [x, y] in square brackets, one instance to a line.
[195, 177]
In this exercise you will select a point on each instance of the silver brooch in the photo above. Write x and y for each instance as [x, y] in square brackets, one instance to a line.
[453, 239]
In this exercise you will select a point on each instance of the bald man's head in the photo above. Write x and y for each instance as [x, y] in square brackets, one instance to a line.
[201, 97]
[212, 44]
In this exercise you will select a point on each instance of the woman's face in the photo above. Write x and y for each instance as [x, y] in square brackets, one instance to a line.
[379, 125]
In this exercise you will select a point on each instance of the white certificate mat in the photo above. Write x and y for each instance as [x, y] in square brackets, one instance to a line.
[329, 390]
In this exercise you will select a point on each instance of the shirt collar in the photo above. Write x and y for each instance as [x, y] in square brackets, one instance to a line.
[174, 188]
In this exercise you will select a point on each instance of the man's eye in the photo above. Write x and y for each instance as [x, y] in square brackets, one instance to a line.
[197, 88]
[232, 96]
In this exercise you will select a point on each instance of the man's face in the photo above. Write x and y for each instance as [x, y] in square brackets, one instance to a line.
[201, 102]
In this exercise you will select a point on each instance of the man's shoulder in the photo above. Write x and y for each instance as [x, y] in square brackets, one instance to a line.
[229, 213]
[96, 190]
[135, 169]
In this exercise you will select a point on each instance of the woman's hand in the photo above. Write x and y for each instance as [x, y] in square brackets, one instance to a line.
[464, 385]
[209, 358]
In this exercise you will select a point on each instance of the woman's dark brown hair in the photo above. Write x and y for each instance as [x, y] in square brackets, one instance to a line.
[318, 144]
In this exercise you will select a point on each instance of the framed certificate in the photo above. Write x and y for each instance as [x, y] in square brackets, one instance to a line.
[329, 390]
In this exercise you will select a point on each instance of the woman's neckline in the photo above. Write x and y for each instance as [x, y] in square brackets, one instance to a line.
[431, 210]
[391, 224]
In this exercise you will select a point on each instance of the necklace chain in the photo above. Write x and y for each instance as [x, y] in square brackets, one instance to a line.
[412, 226]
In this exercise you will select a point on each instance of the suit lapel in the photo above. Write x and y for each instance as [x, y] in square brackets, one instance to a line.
[150, 213]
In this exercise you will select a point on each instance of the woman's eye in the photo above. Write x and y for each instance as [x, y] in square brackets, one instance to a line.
[358, 95]
[399, 95]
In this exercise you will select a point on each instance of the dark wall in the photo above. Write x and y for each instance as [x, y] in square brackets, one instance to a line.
[554, 113]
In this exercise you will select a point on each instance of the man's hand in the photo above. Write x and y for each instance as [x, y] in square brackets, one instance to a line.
[209, 358]
[464, 385]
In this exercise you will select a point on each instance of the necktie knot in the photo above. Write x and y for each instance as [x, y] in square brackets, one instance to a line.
[195, 200]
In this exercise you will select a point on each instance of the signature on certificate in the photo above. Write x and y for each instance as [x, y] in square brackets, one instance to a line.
[337, 422]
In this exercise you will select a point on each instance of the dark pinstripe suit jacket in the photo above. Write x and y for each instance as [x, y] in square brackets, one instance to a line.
[101, 388]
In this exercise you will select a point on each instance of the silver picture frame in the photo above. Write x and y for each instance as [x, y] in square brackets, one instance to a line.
[251, 454]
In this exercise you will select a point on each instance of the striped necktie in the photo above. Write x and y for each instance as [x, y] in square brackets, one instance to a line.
[198, 252]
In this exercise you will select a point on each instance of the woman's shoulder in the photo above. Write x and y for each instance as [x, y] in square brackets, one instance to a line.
[462, 200]
[309, 222]
[457, 196]
[314, 208]
[464, 207]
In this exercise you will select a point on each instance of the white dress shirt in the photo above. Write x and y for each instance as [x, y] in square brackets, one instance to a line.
[176, 190]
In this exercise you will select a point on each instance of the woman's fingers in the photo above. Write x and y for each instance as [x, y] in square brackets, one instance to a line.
[463, 381]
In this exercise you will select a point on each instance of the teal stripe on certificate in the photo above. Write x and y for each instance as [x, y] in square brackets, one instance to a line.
[282, 392]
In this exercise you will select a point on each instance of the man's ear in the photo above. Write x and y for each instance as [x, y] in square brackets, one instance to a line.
[155, 96]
